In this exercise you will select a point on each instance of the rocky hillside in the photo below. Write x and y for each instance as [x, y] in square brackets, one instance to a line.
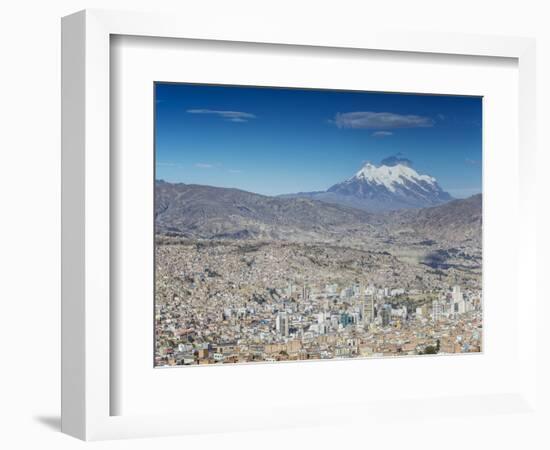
[456, 221]
[196, 211]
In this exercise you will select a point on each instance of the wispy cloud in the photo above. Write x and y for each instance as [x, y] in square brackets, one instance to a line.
[382, 134]
[370, 120]
[204, 165]
[471, 162]
[235, 171]
[231, 116]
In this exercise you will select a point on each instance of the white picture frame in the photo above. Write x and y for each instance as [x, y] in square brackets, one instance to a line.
[86, 218]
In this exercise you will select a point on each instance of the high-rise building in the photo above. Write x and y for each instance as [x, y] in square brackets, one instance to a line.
[368, 304]
[370, 290]
[289, 289]
[458, 303]
[457, 294]
[345, 319]
[281, 323]
[437, 310]
[386, 315]
[321, 317]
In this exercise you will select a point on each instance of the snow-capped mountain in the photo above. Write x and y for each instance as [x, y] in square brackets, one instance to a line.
[392, 177]
[385, 187]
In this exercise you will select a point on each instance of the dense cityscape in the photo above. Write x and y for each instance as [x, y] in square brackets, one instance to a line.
[220, 302]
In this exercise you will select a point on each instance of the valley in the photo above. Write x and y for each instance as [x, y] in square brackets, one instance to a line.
[242, 277]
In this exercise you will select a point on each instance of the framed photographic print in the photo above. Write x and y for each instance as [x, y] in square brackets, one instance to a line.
[266, 228]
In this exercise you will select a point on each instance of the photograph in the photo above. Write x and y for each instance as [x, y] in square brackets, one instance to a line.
[300, 224]
[246, 225]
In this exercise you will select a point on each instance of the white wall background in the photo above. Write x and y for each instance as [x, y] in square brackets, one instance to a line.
[29, 225]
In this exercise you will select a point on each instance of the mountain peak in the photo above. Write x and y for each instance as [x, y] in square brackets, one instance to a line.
[395, 185]
[392, 185]
[391, 176]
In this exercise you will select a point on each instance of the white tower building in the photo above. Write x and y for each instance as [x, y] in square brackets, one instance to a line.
[281, 323]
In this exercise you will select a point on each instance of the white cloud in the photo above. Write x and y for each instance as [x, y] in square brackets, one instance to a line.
[382, 134]
[235, 171]
[380, 120]
[204, 166]
[231, 116]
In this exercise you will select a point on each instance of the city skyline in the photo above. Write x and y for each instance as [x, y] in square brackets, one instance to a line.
[275, 141]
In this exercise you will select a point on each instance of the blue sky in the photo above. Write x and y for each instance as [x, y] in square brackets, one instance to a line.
[274, 140]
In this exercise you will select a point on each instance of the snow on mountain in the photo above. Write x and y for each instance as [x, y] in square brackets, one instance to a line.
[392, 176]
[388, 187]
[391, 186]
